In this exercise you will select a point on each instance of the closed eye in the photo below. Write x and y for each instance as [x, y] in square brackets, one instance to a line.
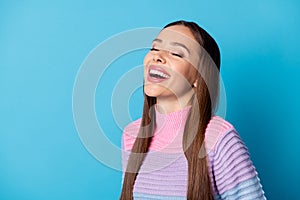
[154, 49]
[177, 54]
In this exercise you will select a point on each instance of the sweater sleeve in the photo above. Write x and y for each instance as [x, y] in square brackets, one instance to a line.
[235, 176]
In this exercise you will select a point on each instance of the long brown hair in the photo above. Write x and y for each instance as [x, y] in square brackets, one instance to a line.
[203, 104]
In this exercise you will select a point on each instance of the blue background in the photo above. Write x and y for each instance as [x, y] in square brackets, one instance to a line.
[42, 45]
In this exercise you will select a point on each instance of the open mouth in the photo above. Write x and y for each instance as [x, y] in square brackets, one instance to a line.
[153, 73]
[157, 74]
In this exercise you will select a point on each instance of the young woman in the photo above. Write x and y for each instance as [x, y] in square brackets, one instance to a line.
[179, 149]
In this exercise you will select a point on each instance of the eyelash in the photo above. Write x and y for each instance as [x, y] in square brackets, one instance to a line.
[174, 54]
[154, 49]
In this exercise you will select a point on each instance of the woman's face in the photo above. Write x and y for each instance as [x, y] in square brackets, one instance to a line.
[169, 67]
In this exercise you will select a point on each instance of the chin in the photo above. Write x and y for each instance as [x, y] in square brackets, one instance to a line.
[152, 91]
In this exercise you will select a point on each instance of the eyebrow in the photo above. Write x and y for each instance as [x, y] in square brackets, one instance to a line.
[174, 44]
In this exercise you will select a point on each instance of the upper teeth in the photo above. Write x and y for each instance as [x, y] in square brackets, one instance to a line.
[154, 71]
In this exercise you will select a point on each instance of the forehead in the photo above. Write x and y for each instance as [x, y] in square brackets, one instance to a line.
[178, 31]
[179, 34]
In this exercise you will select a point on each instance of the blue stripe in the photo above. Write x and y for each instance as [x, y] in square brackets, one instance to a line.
[141, 196]
[248, 189]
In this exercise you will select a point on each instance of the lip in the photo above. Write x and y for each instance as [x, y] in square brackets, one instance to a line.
[158, 68]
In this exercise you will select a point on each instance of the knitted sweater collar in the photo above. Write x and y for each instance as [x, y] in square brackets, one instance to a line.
[169, 131]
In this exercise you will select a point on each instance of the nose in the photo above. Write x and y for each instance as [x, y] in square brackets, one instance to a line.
[159, 57]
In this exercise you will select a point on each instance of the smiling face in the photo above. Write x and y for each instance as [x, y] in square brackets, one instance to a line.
[169, 70]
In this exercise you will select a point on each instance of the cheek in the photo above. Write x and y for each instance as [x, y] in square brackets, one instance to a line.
[192, 74]
[147, 58]
[187, 72]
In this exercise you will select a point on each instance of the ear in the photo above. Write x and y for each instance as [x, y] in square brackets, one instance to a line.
[195, 84]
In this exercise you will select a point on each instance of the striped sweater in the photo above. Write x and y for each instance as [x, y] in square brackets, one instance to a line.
[163, 174]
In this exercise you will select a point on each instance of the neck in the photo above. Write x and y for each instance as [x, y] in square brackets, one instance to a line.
[172, 104]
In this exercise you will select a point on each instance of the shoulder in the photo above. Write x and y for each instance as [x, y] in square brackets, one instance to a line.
[130, 133]
[235, 176]
[216, 129]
